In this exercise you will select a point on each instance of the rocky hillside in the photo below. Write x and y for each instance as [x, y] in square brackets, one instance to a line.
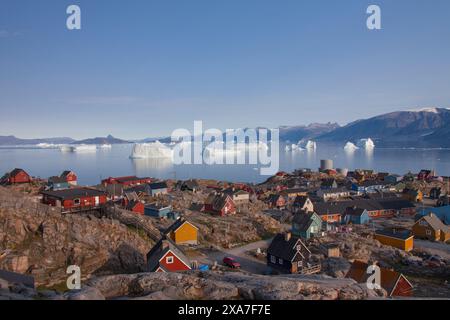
[36, 240]
[205, 286]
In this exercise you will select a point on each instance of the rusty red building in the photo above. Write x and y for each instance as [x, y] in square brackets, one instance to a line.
[220, 204]
[165, 256]
[70, 177]
[127, 181]
[76, 199]
[16, 176]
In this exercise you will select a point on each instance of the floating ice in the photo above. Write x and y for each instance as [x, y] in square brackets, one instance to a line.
[84, 148]
[105, 146]
[48, 146]
[311, 145]
[350, 146]
[151, 150]
[366, 143]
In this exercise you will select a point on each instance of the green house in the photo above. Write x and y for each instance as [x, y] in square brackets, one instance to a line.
[306, 225]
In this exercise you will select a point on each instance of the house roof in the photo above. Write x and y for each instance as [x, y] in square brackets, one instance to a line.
[274, 197]
[66, 173]
[133, 203]
[300, 200]
[158, 185]
[56, 179]
[287, 250]
[303, 220]
[161, 248]
[336, 190]
[74, 193]
[16, 171]
[217, 201]
[389, 278]
[177, 225]
[325, 208]
[401, 234]
[131, 196]
[435, 222]
[352, 211]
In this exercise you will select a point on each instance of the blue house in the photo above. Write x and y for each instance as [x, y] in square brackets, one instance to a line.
[393, 178]
[159, 211]
[442, 213]
[369, 186]
[355, 215]
[57, 183]
[157, 188]
[306, 225]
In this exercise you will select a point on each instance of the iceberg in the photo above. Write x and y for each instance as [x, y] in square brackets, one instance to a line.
[151, 150]
[218, 149]
[47, 146]
[311, 145]
[66, 148]
[105, 146]
[293, 147]
[85, 148]
[366, 143]
[350, 146]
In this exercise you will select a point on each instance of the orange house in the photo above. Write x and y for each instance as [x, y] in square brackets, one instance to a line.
[182, 232]
[397, 238]
[430, 227]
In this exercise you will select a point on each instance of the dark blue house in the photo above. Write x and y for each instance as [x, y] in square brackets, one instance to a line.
[160, 212]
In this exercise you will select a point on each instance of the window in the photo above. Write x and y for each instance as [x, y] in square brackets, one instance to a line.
[76, 202]
[169, 260]
[273, 259]
[300, 264]
[428, 232]
[280, 261]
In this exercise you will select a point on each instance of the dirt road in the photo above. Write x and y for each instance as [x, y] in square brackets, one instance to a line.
[248, 263]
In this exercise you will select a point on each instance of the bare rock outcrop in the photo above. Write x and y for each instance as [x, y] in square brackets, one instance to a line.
[229, 285]
[43, 243]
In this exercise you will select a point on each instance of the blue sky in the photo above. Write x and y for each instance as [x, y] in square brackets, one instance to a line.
[142, 68]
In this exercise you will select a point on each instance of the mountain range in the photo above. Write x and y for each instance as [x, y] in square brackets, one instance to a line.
[422, 128]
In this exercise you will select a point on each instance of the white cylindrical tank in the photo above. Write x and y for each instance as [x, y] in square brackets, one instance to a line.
[326, 164]
[343, 171]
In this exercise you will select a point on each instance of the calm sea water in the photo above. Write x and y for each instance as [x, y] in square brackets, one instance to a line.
[92, 167]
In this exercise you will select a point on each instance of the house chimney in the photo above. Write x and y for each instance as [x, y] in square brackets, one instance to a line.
[287, 236]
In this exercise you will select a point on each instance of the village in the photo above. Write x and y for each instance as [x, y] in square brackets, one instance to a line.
[326, 222]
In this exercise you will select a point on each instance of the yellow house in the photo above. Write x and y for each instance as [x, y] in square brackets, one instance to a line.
[397, 238]
[182, 232]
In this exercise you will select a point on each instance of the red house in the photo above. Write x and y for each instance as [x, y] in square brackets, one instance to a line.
[77, 199]
[15, 177]
[165, 256]
[127, 181]
[135, 206]
[277, 201]
[70, 177]
[395, 283]
[220, 204]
